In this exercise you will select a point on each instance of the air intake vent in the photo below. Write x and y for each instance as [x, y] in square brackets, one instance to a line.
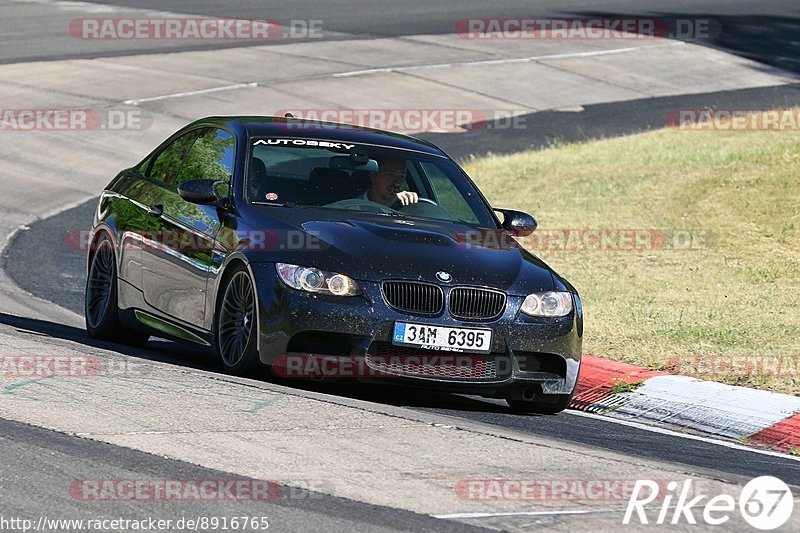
[433, 364]
[413, 297]
[476, 304]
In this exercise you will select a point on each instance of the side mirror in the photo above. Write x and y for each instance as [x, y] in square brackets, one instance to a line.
[517, 222]
[199, 191]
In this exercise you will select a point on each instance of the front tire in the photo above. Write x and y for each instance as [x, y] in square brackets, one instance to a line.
[235, 329]
[101, 310]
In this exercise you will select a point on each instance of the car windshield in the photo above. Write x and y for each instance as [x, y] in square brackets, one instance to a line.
[338, 175]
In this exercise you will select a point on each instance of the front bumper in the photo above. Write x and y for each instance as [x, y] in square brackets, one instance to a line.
[532, 355]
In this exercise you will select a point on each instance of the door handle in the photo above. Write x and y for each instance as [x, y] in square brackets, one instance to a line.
[156, 211]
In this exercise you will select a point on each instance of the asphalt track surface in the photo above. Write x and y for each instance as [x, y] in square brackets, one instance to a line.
[47, 463]
[765, 31]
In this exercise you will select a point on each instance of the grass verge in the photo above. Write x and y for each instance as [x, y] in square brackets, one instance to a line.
[684, 245]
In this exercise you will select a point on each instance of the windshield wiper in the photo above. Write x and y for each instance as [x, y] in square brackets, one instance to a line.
[276, 204]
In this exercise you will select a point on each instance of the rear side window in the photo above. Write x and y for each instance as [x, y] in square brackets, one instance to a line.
[210, 157]
[168, 163]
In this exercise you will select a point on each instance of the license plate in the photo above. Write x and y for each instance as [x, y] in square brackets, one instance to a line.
[442, 337]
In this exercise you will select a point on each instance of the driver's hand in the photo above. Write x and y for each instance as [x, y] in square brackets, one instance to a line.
[407, 197]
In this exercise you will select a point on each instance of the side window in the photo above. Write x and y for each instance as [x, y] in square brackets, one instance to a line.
[416, 183]
[168, 162]
[448, 196]
[211, 157]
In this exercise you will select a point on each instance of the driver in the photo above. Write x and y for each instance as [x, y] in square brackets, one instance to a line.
[386, 184]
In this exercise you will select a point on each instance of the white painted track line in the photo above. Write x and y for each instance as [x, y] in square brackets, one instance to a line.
[484, 62]
[192, 93]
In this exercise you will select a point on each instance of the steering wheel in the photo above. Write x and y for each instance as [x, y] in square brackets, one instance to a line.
[426, 200]
[357, 204]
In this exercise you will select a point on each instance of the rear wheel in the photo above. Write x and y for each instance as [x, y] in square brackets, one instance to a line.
[236, 331]
[101, 311]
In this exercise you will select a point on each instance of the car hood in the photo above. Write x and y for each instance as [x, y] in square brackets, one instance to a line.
[376, 248]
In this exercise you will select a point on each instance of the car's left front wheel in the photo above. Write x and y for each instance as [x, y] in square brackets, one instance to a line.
[236, 331]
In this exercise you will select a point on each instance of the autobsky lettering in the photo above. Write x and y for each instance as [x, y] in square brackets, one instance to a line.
[304, 142]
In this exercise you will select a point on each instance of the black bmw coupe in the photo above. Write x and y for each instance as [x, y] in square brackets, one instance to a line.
[328, 250]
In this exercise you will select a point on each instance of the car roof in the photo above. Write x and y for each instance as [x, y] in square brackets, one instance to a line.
[298, 128]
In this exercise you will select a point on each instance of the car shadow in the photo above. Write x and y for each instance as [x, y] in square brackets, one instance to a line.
[399, 396]
[201, 358]
[159, 350]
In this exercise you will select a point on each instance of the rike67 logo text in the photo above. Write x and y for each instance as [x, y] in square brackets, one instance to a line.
[765, 503]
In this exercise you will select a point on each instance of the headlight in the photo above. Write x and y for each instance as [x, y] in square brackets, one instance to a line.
[311, 279]
[547, 304]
